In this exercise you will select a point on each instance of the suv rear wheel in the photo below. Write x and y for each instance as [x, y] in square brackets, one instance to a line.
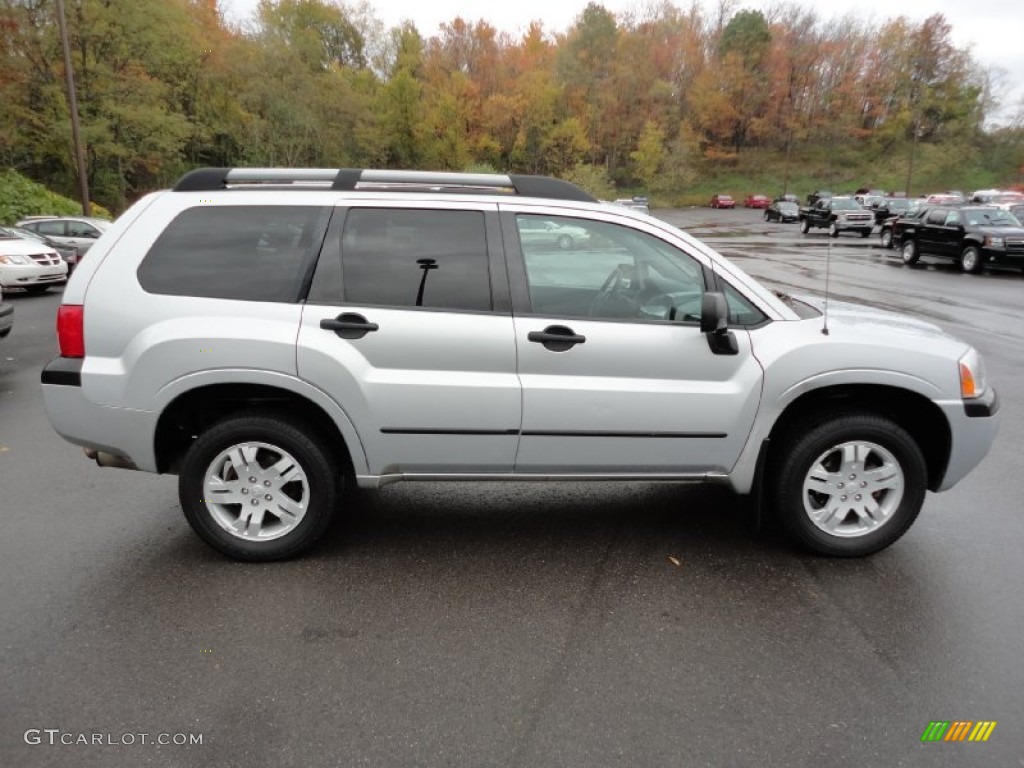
[887, 238]
[805, 226]
[849, 486]
[259, 487]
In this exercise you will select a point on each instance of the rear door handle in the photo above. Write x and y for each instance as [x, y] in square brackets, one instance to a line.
[348, 325]
[556, 338]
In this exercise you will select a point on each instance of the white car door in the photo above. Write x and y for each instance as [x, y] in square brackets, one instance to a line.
[617, 376]
[408, 327]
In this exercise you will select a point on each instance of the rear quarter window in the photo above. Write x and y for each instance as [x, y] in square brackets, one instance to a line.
[248, 253]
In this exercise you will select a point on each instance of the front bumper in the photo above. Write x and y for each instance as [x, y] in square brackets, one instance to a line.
[857, 224]
[973, 425]
[21, 276]
[1000, 256]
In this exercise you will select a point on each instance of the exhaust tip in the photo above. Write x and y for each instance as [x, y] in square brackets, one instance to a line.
[104, 459]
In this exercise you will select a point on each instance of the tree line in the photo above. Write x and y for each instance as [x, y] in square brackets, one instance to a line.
[649, 99]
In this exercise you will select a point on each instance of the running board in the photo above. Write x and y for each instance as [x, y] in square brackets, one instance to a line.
[378, 481]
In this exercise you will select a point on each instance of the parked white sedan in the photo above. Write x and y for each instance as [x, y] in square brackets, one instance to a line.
[32, 266]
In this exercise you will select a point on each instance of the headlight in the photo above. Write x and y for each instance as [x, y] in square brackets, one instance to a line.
[994, 242]
[12, 259]
[972, 376]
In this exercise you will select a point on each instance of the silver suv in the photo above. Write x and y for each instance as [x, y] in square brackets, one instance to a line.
[271, 334]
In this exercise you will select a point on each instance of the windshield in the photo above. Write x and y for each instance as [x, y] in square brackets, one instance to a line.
[789, 207]
[989, 217]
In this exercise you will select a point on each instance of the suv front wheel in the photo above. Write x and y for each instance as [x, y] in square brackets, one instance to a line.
[259, 487]
[850, 486]
[970, 260]
[910, 252]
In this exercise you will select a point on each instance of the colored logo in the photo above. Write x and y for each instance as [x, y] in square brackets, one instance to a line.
[958, 730]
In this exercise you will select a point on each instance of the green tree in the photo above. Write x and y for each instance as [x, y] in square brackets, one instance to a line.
[649, 155]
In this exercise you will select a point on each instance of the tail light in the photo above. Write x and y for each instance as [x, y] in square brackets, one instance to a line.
[71, 330]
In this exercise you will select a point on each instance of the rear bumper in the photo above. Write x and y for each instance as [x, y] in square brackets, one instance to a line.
[121, 432]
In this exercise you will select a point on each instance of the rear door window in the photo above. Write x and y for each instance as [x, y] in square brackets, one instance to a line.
[411, 258]
[50, 228]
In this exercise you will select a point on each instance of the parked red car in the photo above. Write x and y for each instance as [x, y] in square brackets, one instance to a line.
[756, 201]
[722, 201]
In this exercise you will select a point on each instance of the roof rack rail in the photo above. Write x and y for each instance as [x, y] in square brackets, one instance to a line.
[349, 179]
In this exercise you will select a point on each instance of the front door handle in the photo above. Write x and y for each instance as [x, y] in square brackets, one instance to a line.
[348, 325]
[556, 338]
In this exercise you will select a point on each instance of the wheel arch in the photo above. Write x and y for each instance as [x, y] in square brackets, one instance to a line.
[918, 415]
[191, 410]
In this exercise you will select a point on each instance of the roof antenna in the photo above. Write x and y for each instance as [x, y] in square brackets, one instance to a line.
[828, 263]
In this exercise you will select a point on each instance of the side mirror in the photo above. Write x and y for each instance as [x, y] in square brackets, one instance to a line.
[714, 313]
[714, 323]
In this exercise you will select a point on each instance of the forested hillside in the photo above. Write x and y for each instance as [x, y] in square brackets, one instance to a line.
[669, 100]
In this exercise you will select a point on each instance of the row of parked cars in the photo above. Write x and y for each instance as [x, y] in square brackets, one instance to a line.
[41, 251]
[981, 228]
[752, 201]
[984, 227]
[974, 235]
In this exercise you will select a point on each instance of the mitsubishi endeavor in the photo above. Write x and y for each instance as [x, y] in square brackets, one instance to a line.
[270, 335]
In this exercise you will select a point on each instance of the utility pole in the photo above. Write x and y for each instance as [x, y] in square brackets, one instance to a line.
[69, 75]
[910, 164]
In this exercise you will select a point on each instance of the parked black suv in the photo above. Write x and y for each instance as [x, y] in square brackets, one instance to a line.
[890, 207]
[973, 235]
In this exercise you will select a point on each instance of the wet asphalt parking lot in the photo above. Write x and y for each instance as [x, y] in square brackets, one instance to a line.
[544, 625]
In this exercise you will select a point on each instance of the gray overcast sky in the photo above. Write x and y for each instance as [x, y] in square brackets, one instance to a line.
[992, 29]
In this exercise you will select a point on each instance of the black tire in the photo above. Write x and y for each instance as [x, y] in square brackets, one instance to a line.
[766, 217]
[886, 238]
[321, 488]
[971, 260]
[805, 226]
[865, 233]
[833, 230]
[37, 288]
[910, 252]
[803, 449]
[564, 242]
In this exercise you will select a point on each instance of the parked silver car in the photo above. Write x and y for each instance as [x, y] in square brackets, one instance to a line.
[271, 334]
[70, 232]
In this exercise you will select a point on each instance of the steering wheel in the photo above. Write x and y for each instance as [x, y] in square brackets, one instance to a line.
[616, 288]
